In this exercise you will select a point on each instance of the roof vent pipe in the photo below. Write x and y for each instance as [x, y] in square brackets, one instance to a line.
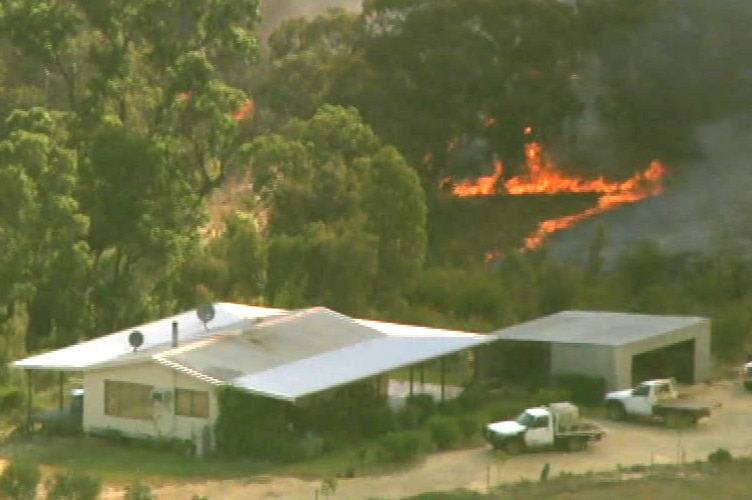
[174, 334]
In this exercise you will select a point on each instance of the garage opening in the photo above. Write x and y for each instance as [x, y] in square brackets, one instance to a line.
[676, 360]
[525, 362]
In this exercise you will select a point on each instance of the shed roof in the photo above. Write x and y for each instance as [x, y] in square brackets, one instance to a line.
[600, 328]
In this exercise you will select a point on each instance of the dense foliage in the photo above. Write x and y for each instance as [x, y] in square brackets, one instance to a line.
[154, 158]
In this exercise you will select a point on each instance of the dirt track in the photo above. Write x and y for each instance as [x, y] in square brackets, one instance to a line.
[627, 444]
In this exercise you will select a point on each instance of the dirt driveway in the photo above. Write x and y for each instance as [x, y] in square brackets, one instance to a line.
[627, 444]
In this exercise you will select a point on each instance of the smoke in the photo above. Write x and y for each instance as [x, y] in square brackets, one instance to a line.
[705, 208]
[691, 70]
[469, 158]
[274, 12]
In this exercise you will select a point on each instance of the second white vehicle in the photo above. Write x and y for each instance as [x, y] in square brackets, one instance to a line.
[656, 399]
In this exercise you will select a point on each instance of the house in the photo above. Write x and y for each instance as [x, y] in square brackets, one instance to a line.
[159, 379]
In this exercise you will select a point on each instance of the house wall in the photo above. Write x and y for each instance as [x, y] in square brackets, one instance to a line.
[164, 423]
[584, 359]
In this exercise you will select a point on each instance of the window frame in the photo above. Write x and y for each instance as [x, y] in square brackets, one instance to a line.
[120, 396]
[196, 407]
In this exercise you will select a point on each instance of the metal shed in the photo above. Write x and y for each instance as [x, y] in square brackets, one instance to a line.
[620, 347]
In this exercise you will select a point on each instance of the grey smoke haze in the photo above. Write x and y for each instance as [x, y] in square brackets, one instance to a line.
[700, 53]
[707, 205]
[274, 12]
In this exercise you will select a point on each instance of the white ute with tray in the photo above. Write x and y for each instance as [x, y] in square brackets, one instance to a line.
[556, 426]
[657, 399]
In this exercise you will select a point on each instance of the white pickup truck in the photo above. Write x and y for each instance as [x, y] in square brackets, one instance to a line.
[747, 376]
[555, 426]
[656, 399]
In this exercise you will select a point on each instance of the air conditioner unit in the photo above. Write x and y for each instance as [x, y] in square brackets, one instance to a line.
[161, 396]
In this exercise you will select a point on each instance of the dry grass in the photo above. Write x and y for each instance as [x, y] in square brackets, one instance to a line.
[700, 481]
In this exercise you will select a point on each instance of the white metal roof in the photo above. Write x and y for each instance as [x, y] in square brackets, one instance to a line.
[221, 354]
[114, 348]
[351, 363]
[271, 343]
[602, 328]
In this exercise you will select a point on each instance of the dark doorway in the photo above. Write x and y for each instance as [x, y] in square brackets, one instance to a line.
[676, 360]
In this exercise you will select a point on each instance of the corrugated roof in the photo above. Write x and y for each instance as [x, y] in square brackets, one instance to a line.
[351, 363]
[114, 349]
[230, 318]
[602, 328]
[278, 353]
[274, 342]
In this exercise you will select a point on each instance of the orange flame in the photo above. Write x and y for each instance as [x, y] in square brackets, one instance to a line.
[543, 177]
[642, 185]
[244, 112]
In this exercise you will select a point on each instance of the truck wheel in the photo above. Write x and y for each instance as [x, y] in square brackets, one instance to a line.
[616, 411]
[513, 447]
[576, 444]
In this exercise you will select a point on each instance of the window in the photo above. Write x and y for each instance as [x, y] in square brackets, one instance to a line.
[190, 403]
[128, 400]
[641, 390]
[541, 422]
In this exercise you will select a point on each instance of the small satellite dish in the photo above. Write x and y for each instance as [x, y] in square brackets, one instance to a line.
[136, 339]
[205, 313]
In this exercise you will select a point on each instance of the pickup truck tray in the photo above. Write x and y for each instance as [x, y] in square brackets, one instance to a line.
[685, 404]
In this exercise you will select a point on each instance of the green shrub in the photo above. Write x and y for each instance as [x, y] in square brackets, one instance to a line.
[19, 480]
[399, 446]
[448, 407]
[138, 491]
[468, 426]
[547, 395]
[73, 486]
[11, 399]
[378, 422]
[720, 456]
[445, 432]
[506, 410]
[418, 409]
[583, 389]
[286, 450]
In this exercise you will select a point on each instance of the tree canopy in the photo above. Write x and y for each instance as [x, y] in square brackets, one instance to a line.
[155, 154]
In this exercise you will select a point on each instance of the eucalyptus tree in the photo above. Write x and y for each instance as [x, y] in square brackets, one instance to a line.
[45, 261]
[346, 213]
[157, 119]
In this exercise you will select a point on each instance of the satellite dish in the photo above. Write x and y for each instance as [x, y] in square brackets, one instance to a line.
[136, 339]
[205, 313]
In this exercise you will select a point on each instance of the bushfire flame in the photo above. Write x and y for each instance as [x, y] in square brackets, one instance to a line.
[245, 111]
[543, 177]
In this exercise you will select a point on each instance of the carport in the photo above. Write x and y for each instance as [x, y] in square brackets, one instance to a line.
[622, 348]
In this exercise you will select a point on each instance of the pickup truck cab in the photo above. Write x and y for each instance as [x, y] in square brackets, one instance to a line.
[747, 376]
[553, 426]
[655, 399]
